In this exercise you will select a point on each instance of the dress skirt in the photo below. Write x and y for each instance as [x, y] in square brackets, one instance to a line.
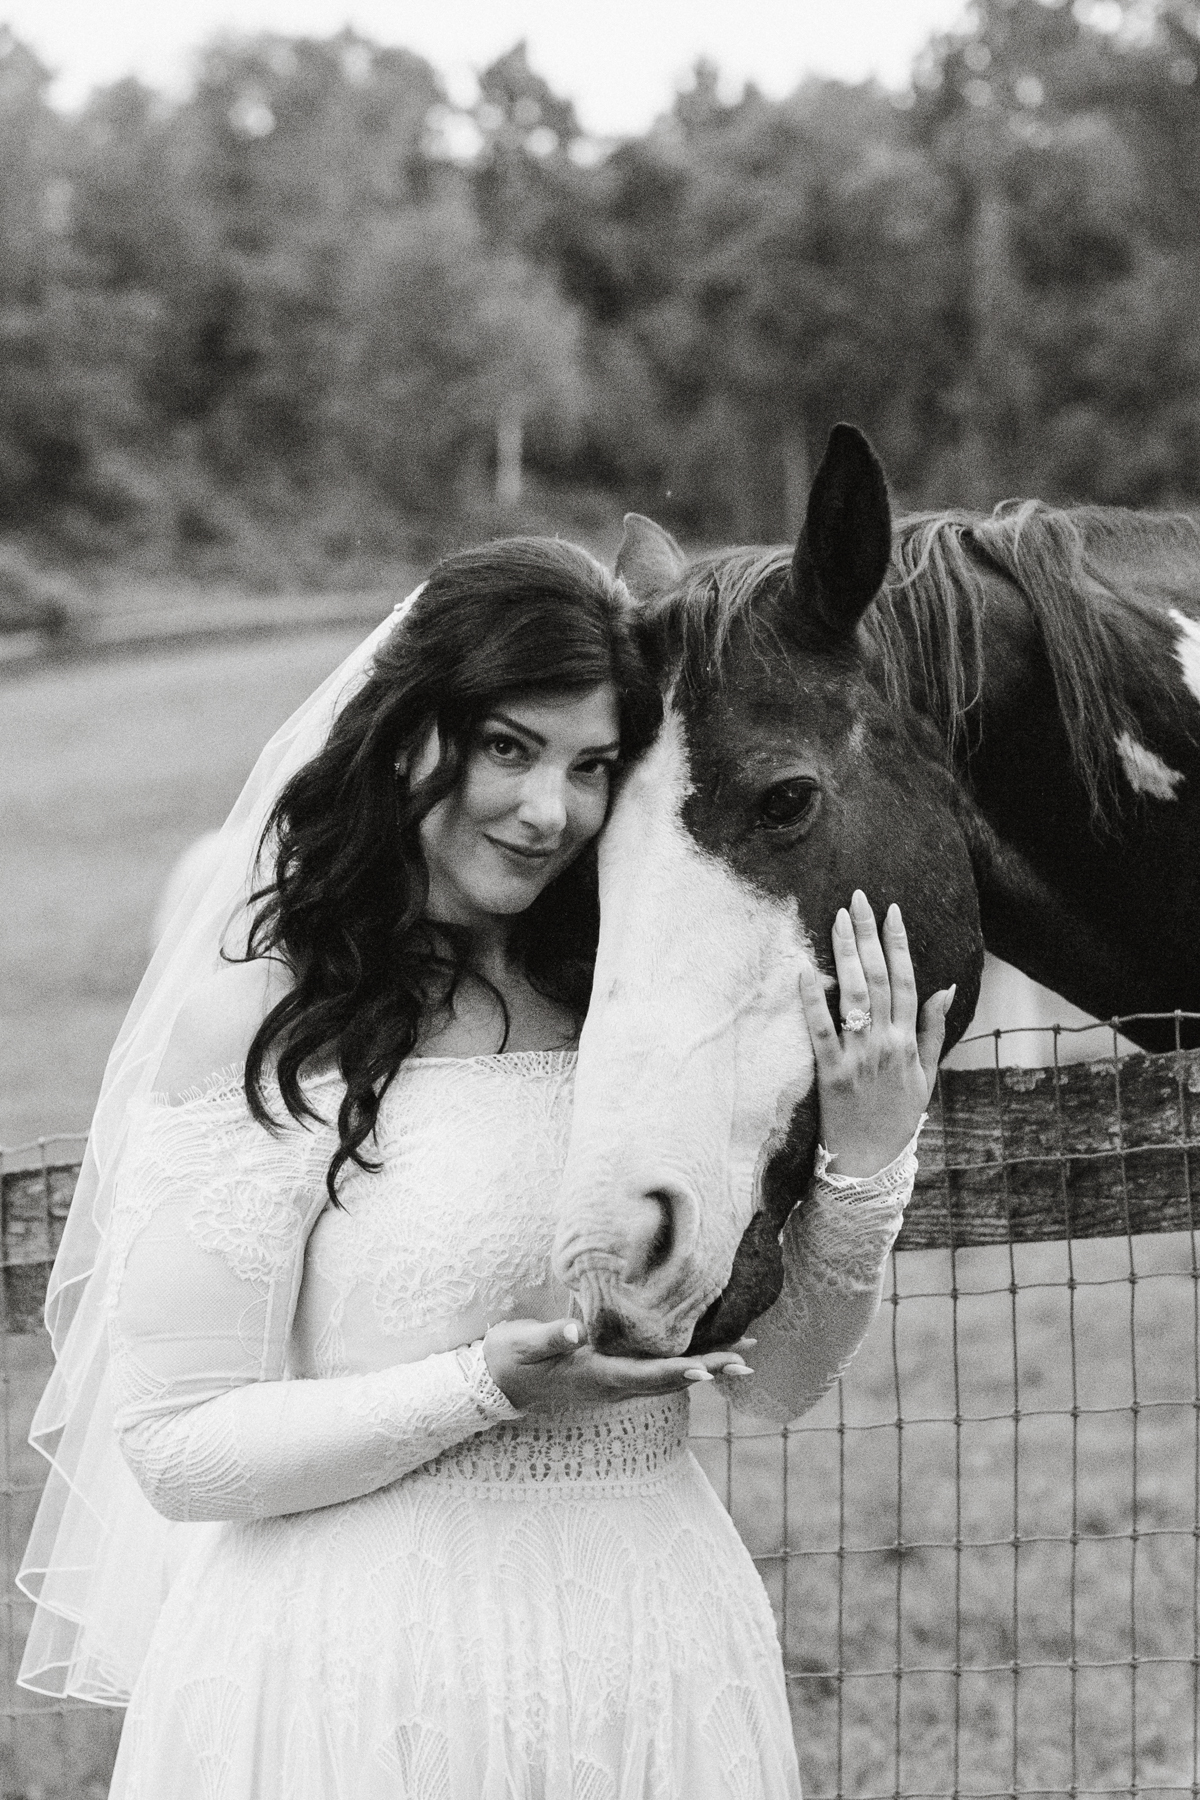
[559, 1609]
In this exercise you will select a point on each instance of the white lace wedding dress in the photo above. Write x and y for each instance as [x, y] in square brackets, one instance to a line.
[397, 1587]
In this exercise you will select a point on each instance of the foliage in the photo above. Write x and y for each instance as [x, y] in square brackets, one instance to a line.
[285, 328]
[32, 599]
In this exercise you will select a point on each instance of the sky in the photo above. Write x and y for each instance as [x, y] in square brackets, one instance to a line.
[620, 61]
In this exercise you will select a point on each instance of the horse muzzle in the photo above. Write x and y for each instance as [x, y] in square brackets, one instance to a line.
[630, 1256]
[620, 1321]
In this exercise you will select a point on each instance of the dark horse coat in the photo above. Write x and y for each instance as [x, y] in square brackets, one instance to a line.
[994, 722]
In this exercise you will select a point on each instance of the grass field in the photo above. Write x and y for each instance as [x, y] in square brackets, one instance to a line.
[988, 1579]
[110, 769]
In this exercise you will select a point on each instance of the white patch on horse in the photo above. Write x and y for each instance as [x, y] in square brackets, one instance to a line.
[1187, 649]
[692, 1060]
[1145, 771]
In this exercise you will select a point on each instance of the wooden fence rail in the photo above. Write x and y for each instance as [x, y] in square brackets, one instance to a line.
[1086, 1150]
[1010, 1155]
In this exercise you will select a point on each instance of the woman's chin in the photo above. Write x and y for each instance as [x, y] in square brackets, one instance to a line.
[504, 899]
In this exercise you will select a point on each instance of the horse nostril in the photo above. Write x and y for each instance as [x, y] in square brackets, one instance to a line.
[663, 1241]
[651, 1232]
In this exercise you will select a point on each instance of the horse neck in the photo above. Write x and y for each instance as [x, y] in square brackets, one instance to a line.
[1081, 878]
[1086, 728]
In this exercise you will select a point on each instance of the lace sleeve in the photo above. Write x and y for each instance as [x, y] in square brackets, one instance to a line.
[835, 1249]
[209, 1226]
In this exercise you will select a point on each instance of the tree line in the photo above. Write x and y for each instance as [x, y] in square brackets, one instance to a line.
[312, 317]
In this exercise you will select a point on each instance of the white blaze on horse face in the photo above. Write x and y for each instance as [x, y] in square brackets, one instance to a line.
[1145, 771]
[693, 1058]
[1187, 649]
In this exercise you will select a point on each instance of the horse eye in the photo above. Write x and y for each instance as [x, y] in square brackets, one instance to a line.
[786, 802]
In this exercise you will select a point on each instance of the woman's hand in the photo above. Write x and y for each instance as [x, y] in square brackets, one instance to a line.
[873, 1083]
[544, 1367]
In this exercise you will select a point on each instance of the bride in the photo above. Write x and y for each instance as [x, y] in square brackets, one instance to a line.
[341, 1502]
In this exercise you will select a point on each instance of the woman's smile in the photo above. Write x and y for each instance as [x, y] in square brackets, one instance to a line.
[528, 852]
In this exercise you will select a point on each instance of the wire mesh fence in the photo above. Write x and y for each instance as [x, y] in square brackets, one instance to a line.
[984, 1546]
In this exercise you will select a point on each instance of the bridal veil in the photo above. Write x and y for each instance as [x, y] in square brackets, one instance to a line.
[100, 1560]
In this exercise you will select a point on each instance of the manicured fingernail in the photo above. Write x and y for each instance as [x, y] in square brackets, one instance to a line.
[950, 993]
[895, 922]
[842, 921]
[572, 1332]
[860, 904]
[746, 1343]
[736, 1369]
[696, 1375]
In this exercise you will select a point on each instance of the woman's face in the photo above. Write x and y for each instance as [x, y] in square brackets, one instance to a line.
[533, 791]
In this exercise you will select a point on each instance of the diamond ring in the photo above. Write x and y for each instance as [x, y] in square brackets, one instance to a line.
[856, 1020]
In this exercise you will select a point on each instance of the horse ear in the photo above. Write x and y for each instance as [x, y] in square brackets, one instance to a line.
[843, 552]
[649, 560]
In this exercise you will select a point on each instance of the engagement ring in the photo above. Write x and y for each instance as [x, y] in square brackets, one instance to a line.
[856, 1020]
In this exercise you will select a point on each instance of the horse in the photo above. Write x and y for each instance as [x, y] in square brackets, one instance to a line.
[1002, 738]
[1057, 653]
[1019, 1023]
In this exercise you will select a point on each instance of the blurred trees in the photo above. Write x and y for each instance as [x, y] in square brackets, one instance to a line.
[761, 271]
[313, 315]
[1072, 149]
[39, 455]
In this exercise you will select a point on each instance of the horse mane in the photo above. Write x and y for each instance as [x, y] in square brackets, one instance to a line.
[927, 624]
[714, 594]
[1068, 567]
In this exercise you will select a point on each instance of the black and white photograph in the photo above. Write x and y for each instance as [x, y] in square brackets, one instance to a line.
[600, 899]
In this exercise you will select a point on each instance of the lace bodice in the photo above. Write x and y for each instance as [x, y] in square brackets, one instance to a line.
[272, 1353]
[452, 1235]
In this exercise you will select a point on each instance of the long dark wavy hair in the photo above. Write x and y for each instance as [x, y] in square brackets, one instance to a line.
[344, 907]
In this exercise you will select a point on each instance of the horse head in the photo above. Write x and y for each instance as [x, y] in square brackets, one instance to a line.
[781, 780]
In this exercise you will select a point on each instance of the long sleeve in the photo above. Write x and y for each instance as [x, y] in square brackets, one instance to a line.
[835, 1249]
[210, 1223]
